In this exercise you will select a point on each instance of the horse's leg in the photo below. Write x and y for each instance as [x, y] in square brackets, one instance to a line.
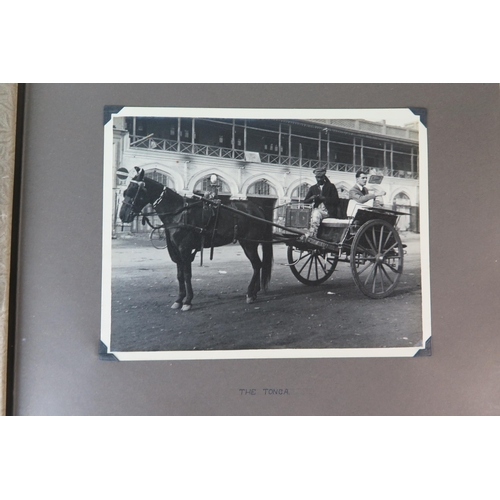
[187, 283]
[182, 287]
[252, 254]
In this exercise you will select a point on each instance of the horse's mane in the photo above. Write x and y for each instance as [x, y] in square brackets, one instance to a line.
[172, 194]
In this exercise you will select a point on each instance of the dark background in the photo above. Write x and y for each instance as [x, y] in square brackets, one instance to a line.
[57, 369]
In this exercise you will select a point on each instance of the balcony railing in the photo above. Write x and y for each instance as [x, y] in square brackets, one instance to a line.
[157, 144]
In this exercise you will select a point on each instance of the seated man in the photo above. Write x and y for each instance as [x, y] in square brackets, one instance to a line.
[361, 194]
[325, 199]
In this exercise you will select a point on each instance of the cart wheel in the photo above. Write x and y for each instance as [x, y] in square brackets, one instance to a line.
[377, 259]
[158, 237]
[311, 267]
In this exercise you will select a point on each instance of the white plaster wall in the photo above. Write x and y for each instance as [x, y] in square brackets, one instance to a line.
[186, 170]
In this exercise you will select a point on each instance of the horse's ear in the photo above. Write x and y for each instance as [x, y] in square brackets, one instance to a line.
[140, 173]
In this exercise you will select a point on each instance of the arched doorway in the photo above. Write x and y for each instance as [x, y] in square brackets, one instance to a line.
[205, 185]
[299, 193]
[262, 189]
[265, 194]
[161, 177]
[401, 203]
[343, 192]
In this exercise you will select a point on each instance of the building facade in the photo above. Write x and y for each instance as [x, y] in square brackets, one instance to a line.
[270, 158]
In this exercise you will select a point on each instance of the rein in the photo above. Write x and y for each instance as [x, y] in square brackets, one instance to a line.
[203, 230]
[184, 224]
[177, 212]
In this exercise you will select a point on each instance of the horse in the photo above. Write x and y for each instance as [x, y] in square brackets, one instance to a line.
[195, 223]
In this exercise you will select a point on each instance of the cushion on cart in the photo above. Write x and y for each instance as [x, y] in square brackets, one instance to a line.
[331, 222]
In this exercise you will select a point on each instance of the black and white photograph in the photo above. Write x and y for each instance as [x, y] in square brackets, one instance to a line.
[265, 233]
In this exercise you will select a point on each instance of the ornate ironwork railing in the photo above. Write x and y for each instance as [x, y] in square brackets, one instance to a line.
[157, 144]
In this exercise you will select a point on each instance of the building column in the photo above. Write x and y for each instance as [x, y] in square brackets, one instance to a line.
[245, 137]
[186, 163]
[240, 186]
[392, 159]
[192, 135]
[328, 146]
[233, 138]
[289, 144]
[279, 145]
[178, 134]
[134, 129]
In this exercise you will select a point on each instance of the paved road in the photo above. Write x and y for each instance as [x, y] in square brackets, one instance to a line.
[290, 315]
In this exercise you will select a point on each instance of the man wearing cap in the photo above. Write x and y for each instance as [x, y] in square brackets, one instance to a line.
[325, 199]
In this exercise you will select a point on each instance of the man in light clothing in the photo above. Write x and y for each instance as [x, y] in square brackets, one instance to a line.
[325, 199]
[360, 193]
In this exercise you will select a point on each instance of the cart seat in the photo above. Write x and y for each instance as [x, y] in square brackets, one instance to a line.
[333, 230]
[331, 222]
[353, 206]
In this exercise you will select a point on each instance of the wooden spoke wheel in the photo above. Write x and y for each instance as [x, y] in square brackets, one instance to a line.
[158, 238]
[377, 259]
[311, 266]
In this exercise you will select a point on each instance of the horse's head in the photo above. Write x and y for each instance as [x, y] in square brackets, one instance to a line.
[136, 197]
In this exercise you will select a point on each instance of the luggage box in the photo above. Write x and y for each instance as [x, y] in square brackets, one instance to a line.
[297, 216]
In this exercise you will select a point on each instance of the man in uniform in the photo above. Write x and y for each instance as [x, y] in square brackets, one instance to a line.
[325, 199]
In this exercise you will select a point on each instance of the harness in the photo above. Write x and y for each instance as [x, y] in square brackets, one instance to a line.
[212, 207]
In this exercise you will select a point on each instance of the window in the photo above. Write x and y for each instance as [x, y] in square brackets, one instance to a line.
[262, 188]
[402, 199]
[204, 184]
[343, 193]
[161, 178]
[299, 193]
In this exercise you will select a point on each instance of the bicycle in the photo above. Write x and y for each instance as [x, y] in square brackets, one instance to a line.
[158, 238]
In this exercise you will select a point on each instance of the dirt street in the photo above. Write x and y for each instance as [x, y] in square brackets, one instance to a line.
[290, 315]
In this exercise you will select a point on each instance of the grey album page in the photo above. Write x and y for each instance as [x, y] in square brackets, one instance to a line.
[390, 311]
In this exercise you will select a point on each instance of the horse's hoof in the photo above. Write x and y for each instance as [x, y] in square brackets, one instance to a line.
[176, 305]
[250, 300]
[186, 307]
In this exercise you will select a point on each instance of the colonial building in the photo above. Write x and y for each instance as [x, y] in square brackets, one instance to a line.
[271, 159]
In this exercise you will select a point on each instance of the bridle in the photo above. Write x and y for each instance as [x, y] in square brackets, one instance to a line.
[140, 187]
[131, 204]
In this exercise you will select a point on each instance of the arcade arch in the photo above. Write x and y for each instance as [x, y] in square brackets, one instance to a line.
[172, 177]
[161, 177]
[343, 190]
[204, 184]
[299, 192]
[265, 190]
[402, 203]
[262, 187]
[200, 180]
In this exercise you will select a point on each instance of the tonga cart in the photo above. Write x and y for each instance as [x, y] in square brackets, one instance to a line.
[368, 240]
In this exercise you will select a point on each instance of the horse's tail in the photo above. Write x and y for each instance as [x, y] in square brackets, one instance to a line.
[267, 254]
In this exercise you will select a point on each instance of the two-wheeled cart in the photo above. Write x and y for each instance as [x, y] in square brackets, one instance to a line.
[368, 240]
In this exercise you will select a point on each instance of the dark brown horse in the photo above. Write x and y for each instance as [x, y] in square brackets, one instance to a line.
[195, 223]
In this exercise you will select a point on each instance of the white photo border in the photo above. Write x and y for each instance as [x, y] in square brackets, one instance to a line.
[400, 115]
